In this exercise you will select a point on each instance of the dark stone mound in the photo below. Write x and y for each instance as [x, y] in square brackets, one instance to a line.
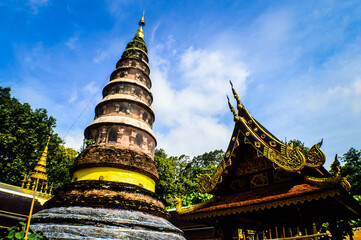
[103, 223]
[106, 194]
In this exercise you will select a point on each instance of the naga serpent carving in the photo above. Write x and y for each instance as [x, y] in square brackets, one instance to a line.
[183, 210]
[332, 180]
[315, 156]
[207, 183]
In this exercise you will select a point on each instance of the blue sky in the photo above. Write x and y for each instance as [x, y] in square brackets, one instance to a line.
[295, 64]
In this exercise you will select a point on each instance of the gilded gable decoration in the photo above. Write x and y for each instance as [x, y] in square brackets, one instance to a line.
[289, 158]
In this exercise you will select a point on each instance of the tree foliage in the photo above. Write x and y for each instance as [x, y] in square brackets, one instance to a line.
[352, 169]
[17, 232]
[23, 135]
[178, 175]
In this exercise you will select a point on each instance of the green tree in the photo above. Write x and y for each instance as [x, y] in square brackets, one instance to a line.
[178, 176]
[23, 135]
[167, 186]
[352, 169]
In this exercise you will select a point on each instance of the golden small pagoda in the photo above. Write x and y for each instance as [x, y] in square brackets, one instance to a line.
[18, 203]
[30, 183]
[38, 175]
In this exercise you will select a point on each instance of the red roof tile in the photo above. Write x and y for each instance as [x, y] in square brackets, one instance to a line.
[269, 194]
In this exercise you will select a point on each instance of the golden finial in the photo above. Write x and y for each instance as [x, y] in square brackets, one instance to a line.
[140, 29]
[335, 166]
[40, 168]
[236, 118]
[141, 22]
[235, 94]
[51, 189]
[28, 184]
[23, 181]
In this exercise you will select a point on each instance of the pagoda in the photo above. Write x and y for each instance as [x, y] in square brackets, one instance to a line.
[112, 193]
[264, 188]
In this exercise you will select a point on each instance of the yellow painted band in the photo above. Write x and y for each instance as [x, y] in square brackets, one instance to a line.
[115, 175]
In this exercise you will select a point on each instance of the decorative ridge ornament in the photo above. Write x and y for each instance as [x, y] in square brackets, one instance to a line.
[287, 157]
[329, 181]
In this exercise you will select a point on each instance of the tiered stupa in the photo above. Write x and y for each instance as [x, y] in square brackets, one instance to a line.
[112, 195]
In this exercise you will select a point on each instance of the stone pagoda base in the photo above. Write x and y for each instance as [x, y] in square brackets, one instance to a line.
[103, 223]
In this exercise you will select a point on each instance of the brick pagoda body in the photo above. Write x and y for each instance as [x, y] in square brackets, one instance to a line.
[112, 194]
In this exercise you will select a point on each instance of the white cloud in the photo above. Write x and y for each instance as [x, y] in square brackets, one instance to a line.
[188, 118]
[92, 87]
[101, 55]
[73, 96]
[74, 138]
[71, 42]
[36, 4]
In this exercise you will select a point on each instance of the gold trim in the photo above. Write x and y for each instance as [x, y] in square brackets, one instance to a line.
[183, 210]
[286, 157]
[289, 158]
[262, 206]
[207, 183]
[11, 213]
[327, 181]
[302, 236]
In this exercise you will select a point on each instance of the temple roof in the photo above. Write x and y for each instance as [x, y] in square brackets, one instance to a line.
[285, 194]
[253, 148]
[260, 172]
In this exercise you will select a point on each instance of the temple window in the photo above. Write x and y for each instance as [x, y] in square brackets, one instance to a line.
[145, 116]
[112, 136]
[137, 91]
[139, 139]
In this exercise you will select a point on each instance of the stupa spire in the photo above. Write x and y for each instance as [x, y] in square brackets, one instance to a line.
[40, 168]
[140, 29]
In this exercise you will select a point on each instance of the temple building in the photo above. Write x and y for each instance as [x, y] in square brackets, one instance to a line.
[266, 189]
[15, 202]
[112, 194]
[263, 188]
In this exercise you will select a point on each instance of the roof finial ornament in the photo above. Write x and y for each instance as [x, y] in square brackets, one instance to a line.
[140, 33]
[236, 118]
[141, 22]
[235, 94]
